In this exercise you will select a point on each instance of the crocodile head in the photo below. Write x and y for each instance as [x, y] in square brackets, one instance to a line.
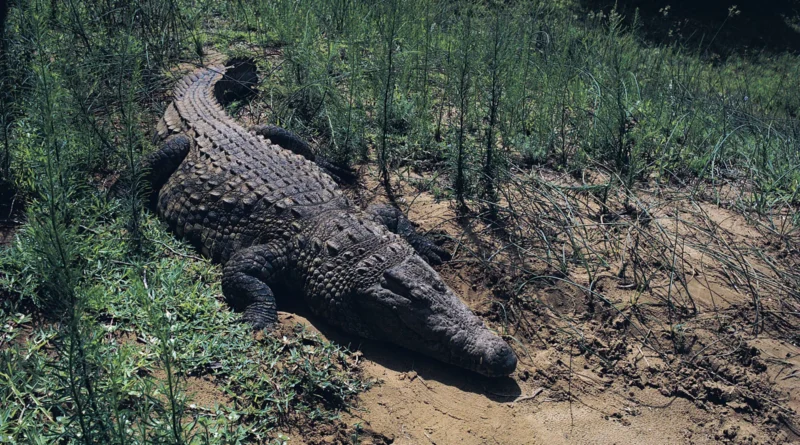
[411, 306]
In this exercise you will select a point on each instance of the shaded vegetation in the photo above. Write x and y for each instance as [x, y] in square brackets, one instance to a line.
[720, 27]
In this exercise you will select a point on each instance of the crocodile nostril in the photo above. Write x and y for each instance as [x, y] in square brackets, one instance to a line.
[497, 359]
[505, 360]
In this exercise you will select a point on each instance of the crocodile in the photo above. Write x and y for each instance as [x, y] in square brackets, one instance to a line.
[278, 223]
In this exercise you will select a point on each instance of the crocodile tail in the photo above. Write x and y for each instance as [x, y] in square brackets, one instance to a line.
[186, 81]
[181, 87]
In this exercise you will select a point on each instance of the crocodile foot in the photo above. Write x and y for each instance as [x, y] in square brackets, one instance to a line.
[395, 221]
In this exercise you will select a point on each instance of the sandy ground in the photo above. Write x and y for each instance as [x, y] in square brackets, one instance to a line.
[418, 400]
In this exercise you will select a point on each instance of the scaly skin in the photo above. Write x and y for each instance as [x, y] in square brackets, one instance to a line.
[274, 217]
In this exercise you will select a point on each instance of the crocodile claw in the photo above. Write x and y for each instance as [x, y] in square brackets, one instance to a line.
[341, 173]
[259, 316]
[429, 251]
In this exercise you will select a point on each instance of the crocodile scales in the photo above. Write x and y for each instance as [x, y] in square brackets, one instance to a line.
[275, 219]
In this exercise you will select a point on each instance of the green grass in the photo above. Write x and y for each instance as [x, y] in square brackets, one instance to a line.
[147, 325]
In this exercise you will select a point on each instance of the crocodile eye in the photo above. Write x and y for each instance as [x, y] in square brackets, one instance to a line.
[396, 282]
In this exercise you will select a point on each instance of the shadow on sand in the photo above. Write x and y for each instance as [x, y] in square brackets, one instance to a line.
[401, 360]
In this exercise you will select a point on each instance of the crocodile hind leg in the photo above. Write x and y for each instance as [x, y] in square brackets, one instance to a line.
[395, 221]
[161, 164]
[287, 140]
[156, 167]
[245, 283]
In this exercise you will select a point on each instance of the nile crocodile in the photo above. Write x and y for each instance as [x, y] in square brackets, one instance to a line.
[274, 219]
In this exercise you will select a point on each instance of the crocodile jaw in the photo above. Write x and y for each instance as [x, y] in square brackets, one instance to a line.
[411, 306]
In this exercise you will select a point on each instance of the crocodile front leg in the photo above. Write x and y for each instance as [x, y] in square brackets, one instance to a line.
[290, 141]
[245, 283]
[395, 221]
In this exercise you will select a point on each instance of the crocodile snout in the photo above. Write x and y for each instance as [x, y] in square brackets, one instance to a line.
[423, 314]
[498, 360]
